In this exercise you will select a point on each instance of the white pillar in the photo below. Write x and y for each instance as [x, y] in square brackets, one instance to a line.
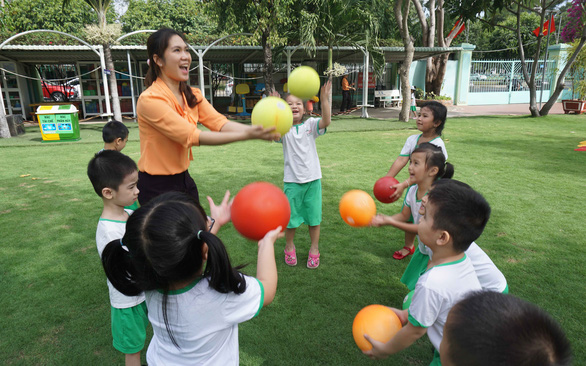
[365, 86]
[105, 82]
[200, 54]
[131, 83]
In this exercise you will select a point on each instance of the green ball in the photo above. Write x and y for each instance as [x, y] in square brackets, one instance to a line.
[303, 82]
[273, 112]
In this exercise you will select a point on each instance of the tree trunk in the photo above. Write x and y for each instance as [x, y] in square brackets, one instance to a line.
[4, 130]
[437, 73]
[529, 79]
[113, 85]
[402, 16]
[268, 56]
[560, 82]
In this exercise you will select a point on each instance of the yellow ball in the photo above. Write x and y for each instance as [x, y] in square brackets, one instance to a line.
[273, 112]
[303, 82]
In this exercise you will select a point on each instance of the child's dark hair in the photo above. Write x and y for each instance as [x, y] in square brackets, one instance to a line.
[440, 113]
[114, 130]
[434, 157]
[165, 240]
[490, 328]
[156, 45]
[108, 168]
[459, 210]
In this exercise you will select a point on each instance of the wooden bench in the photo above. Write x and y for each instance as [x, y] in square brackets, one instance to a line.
[388, 96]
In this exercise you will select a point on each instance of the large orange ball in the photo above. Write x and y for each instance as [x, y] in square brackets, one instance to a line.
[357, 208]
[382, 190]
[259, 208]
[378, 321]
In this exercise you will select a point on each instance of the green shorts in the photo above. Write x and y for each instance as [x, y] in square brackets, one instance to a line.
[129, 328]
[435, 361]
[305, 202]
[416, 266]
[414, 108]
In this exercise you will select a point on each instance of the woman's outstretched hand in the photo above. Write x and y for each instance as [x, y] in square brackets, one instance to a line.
[261, 133]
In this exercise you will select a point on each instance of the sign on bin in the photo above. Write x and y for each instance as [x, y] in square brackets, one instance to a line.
[58, 122]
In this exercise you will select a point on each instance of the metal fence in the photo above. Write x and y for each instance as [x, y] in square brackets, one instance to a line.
[502, 81]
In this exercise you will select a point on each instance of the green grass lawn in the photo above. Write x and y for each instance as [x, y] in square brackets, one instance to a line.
[55, 307]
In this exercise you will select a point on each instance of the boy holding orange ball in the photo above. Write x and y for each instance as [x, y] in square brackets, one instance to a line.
[453, 216]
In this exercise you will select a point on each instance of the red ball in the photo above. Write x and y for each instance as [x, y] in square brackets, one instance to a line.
[259, 208]
[382, 189]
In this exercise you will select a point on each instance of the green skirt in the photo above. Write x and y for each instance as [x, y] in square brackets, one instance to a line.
[415, 268]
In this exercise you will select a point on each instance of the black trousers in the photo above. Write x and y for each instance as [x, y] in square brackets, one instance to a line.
[150, 186]
[345, 100]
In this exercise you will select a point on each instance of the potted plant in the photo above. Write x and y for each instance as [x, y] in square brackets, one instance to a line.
[571, 33]
[578, 105]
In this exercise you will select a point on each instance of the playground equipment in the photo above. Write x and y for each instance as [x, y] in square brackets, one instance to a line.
[242, 90]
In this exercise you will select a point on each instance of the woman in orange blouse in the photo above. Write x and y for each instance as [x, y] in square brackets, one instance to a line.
[346, 87]
[168, 113]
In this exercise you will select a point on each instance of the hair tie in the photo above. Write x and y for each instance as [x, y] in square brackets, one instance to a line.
[198, 234]
[149, 61]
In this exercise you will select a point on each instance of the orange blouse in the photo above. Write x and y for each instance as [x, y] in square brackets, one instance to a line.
[345, 84]
[167, 131]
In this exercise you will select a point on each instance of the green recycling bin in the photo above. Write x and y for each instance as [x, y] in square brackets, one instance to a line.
[58, 122]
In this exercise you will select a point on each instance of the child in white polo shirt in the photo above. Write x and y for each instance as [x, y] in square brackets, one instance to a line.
[453, 216]
[302, 174]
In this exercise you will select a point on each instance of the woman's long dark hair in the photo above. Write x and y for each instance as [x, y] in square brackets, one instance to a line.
[162, 248]
[156, 45]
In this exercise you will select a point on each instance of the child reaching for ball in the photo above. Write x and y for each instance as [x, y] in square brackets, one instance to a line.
[489, 276]
[453, 216]
[427, 165]
[431, 122]
[302, 174]
[195, 298]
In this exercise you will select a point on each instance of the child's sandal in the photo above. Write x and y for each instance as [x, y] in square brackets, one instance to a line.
[291, 257]
[398, 255]
[313, 261]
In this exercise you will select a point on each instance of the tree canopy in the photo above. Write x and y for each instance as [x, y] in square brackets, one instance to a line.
[23, 15]
[185, 16]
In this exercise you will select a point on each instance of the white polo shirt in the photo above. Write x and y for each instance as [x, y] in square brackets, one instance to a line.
[413, 142]
[437, 290]
[107, 231]
[204, 323]
[300, 152]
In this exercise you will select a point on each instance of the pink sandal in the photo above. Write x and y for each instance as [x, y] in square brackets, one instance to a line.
[291, 257]
[313, 261]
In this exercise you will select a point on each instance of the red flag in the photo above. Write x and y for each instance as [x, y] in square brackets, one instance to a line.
[552, 25]
[459, 27]
[546, 28]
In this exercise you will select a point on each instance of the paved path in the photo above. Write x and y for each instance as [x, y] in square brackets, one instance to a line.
[465, 111]
[453, 111]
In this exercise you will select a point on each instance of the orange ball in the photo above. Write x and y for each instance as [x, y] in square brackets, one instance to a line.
[378, 321]
[259, 208]
[357, 208]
